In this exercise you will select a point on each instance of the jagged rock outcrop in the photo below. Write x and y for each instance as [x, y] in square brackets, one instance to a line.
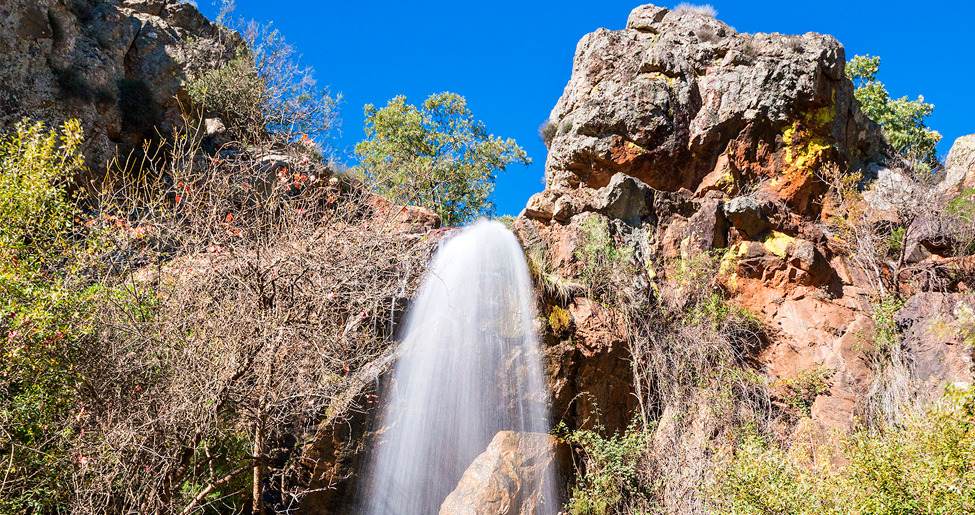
[681, 100]
[120, 66]
[710, 140]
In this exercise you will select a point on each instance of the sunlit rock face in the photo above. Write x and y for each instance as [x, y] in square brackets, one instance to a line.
[509, 477]
[680, 99]
[687, 136]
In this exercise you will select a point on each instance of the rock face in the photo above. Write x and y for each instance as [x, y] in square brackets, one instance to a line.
[681, 100]
[661, 128]
[119, 66]
[960, 166]
[685, 137]
[509, 478]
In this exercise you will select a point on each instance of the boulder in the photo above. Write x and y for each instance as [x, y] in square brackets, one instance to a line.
[625, 198]
[708, 228]
[959, 166]
[747, 215]
[514, 475]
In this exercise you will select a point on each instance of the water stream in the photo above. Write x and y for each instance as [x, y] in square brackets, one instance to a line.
[469, 367]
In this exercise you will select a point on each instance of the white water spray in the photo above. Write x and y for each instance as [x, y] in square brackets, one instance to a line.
[469, 367]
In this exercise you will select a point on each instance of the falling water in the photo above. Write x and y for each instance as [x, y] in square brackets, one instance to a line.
[469, 367]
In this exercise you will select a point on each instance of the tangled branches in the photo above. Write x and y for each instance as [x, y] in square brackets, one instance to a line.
[241, 293]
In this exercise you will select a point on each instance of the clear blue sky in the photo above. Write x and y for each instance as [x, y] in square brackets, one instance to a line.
[511, 59]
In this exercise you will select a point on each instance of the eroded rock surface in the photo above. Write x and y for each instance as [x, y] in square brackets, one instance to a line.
[689, 137]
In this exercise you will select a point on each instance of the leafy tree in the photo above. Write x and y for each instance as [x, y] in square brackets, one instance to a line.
[902, 120]
[437, 156]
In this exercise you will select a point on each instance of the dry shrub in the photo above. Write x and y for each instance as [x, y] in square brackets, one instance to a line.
[242, 293]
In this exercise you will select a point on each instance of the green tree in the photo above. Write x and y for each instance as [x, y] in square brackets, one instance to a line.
[902, 119]
[437, 156]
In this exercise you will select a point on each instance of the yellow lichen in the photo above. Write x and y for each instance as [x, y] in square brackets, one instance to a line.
[728, 265]
[778, 243]
[559, 319]
[806, 139]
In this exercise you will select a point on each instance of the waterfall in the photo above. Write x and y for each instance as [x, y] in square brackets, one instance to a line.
[469, 366]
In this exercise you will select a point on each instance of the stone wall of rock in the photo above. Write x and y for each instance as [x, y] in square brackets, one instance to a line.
[689, 137]
[120, 66]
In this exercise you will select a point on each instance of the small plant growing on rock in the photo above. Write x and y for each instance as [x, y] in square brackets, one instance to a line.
[547, 131]
[801, 391]
[610, 469]
[698, 9]
[604, 264]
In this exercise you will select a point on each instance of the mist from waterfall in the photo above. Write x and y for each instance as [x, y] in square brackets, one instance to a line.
[469, 367]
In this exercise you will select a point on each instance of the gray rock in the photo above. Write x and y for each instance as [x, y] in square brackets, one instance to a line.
[959, 166]
[936, 328]
[120, 66]
[644, 17]
[625, 198]
[888, 188]
[708, 228]
[747, 215]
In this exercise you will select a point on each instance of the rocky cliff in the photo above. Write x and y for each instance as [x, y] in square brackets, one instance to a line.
[688, 262]
[685, 142]
[120, 66]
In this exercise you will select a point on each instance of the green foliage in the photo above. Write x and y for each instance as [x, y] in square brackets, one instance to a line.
[611, 466]
[715, 310]
[764, 479]
[547, 277]
[234, 92]
[263, 93]
[801, 391]
[902, 120]
[36, 213]
[604, 262]
[886, 335]
[437, 155]
[927, 465]
[42, 316]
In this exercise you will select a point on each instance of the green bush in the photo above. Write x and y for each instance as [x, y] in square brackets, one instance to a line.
[42, 315]
[927, 465]
[234, 92]
[801, 391]
[611, 467]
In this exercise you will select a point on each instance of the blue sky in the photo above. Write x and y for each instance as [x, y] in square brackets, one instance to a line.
[511, 59]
